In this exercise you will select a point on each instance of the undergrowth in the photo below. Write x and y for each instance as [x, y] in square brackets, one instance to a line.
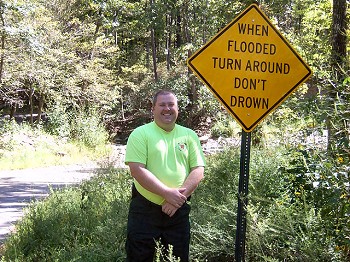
[23, 146]
[287, 220]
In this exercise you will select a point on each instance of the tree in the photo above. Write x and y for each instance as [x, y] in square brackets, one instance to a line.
[338, 124]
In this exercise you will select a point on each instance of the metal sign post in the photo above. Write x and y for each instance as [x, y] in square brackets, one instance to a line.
[242, 197]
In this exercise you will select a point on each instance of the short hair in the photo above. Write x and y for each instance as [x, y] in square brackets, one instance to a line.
[160, 93]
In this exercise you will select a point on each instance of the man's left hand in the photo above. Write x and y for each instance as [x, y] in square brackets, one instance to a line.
[169, 209]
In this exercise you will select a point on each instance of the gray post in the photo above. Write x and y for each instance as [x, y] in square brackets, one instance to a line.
[242, 197]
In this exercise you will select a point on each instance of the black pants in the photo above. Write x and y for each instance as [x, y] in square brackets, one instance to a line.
[148, 224]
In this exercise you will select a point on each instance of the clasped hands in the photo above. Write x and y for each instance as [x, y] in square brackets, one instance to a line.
[174, 199]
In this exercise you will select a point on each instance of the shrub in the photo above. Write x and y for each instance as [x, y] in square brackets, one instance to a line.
[88, 223]
[85, 223]
[84, 127]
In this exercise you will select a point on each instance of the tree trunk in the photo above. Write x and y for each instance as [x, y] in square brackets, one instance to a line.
[2, 40]
[339, 37]
[168, 41]
[40, 110]
[154, 55]
[13, 110]
[336, 125]
[153, 45]
[31, 106]
[178, 31]
[192, 94]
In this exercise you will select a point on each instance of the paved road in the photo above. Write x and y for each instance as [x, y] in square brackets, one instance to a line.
[19, 187]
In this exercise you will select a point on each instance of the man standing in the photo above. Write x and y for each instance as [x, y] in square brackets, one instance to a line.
[167, 164]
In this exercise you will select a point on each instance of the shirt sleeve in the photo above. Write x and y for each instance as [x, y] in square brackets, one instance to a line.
[136, 148]
[196, 156]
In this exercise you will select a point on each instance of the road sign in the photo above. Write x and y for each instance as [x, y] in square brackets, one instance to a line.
[250, 67]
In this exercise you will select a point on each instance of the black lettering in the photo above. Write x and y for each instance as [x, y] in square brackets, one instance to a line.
[229, 45]
[250, 102]
[257, 102]
[214, 60]
[233, 101]
[249, 66]
[258, 48]
[241, 101]
[251, 47]
[256, 66]
[279, 68]
[270, 67]
[257, 29]
[245, 83]
[243, 47]
[252, 84]
[222, 63]
[272, 49]
[241, 28]
[265, 103]
[237, 82]
[286, 69]
[249, 83]
[227, 63]
[252, 29]
[265, 30]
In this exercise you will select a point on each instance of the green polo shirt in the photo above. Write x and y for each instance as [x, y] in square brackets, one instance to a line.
[169, 156]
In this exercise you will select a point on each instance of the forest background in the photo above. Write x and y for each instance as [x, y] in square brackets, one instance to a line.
[84, 70]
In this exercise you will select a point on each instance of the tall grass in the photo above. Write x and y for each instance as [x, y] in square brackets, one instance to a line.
[23, 146]
[85, 223]
[88, 223]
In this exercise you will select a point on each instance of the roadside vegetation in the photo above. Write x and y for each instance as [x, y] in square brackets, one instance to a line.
[78, 75]
[298, 207]
[24, 146]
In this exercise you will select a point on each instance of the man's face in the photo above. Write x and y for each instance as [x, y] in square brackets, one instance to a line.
[165, 111]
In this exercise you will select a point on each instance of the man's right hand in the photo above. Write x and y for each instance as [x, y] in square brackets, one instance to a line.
[175, 196]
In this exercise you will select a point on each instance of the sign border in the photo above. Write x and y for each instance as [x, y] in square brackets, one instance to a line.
[289, 46]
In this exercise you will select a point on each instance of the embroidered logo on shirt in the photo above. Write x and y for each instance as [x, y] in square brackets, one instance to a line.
[182, 146]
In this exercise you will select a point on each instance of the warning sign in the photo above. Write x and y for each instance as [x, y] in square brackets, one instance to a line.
[250, 67]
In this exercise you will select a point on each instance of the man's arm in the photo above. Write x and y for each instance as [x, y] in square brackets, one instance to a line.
[193, 180]
[147, 180]
[190, 185]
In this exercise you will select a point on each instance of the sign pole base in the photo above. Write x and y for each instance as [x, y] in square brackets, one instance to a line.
[243, 197]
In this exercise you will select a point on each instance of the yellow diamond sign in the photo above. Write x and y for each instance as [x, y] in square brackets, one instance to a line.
[250, 67]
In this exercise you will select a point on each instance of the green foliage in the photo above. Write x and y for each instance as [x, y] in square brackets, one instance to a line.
[95, 55]
[75, 224]
[224, 126]
[58, 122]
[293, 213]
[88, 129]
[24, 146]
[165, 254]
[82, 127]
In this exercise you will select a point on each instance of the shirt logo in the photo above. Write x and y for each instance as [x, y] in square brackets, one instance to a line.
[182, 146]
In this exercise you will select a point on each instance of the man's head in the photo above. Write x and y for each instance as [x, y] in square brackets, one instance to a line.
[165, 109]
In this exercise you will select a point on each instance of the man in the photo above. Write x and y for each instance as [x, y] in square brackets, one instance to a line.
[167, 164]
